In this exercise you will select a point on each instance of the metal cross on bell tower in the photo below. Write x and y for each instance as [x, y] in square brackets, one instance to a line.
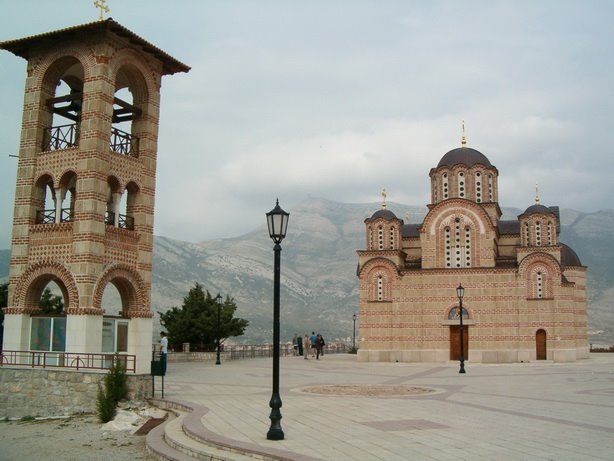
[102, 6]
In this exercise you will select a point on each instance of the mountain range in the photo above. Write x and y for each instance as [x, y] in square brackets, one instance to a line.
[319, 287]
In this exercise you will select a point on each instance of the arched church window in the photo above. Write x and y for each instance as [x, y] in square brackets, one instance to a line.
[538, 233]
[444, 185]
[380, 288]
[491, 188]
[458, 246]
[550, 233]
[467, 247]
[539, 283]
[478, 187]
[392, 231]
[448, 243]
[461, 184]
[453, 314]
[526, 234]
[380, 238]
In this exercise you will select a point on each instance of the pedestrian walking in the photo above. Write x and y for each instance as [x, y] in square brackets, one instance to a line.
[312, 343]
[319, 346]
[163, 351]
[306, 345]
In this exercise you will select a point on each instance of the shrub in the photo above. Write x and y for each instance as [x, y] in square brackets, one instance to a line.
[115, 389]
[106, 405]
[116, 382]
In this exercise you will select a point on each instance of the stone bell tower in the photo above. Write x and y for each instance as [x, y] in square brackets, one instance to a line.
[86, 182]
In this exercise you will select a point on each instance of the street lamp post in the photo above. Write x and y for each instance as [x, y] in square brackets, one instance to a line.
[354, 334]
[218, 300]
[277, 221]
[460, 292]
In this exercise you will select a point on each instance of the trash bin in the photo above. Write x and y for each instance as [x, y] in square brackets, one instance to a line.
[157, 368]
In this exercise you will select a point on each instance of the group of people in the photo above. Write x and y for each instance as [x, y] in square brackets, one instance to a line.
[313, 345]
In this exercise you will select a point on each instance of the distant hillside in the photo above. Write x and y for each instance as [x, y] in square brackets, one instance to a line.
[318, 268]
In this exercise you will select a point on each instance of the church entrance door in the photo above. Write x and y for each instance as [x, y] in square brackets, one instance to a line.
[540, 344]
[455, 342]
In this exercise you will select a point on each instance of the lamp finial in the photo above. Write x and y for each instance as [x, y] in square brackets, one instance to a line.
[537, 194]
[463, 137]
[384, 195]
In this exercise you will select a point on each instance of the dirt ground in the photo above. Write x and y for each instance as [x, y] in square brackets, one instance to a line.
[77, 438]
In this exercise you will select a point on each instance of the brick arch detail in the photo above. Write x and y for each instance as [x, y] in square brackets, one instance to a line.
[69, 49]
[443, 210]
[130, 286]
[370, 273]
[66, 175]
[143, 76]
[28, 285]
[388, 265]
[40, 175]
[544, 259]
[472, 215]
[540, 262]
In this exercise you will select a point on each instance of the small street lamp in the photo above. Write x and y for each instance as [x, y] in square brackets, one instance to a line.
[277, 221]
[218, 300]
[460, 292]
[354, 334]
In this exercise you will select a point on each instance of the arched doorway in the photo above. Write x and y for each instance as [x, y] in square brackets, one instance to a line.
[540, 345]
[455, 335]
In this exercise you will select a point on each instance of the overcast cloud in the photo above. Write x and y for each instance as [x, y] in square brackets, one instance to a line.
[339, 99]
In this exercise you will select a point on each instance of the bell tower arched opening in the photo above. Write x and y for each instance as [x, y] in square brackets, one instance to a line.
[63, 88]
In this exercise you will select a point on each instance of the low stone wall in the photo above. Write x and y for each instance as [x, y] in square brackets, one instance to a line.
[26, 392]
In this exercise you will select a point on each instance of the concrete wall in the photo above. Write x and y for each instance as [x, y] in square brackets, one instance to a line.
[44, 393]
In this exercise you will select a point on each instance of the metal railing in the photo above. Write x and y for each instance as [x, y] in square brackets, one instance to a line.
[60, 137]
[254, 351]
[45, 217]
[48, 216]
[125, 221]
[124, 143]
[73, 360]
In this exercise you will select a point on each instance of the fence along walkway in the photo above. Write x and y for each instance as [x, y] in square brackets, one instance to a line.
[73, 360]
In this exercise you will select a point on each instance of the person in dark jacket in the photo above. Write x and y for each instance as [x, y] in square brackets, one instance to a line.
[319, 346]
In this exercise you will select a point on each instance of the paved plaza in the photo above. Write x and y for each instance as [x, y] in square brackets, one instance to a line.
[523, 411]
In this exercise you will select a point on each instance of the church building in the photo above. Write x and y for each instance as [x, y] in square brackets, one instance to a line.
[524, 290]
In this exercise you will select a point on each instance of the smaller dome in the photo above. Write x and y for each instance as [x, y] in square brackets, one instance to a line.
[464, 156]
[537, 208]
[383, 213]
[569, 257]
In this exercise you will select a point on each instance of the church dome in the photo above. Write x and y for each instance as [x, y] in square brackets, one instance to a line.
[569, 257]
[537, 208]
[464, 156]
[383, 213]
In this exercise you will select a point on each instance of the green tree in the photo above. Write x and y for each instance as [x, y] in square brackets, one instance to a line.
[196, 321]
[50, 303]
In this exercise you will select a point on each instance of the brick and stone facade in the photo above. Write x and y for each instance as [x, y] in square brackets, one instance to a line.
[525, 291]
[86, 182]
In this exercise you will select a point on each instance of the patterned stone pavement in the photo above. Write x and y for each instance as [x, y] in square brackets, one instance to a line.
[525, 411]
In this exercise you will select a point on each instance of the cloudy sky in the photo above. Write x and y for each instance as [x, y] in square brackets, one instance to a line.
[339, 99]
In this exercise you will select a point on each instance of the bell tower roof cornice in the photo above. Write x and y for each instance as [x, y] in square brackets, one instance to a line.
[22, 47]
